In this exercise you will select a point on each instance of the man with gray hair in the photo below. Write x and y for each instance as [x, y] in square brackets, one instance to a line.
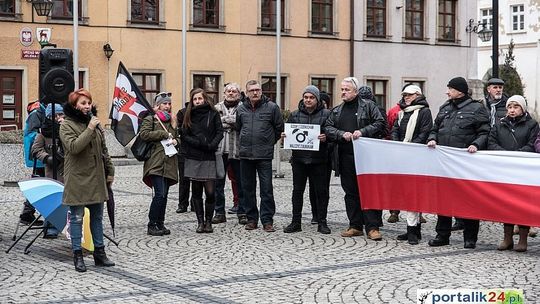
[495, 100]
[229, 148]
[354, 118]
[260, 125]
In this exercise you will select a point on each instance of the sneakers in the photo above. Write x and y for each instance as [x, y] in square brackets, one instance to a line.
[394, 217]
[375, 235]
[269, 228]
[233, 210]
[293, 227]
[219, 218]
[251, 226]
[242, 219]
[350, 232]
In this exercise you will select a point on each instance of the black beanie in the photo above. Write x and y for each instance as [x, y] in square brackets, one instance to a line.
[460, 84]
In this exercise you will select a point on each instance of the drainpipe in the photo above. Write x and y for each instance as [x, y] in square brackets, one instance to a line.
[351, 34]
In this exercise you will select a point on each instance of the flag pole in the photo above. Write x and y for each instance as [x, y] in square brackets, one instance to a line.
[278, 82]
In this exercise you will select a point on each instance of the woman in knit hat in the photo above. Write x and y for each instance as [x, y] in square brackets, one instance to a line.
[517, 131]
[160, 170]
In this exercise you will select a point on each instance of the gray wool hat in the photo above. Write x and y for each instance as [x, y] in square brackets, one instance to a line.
[313, 90]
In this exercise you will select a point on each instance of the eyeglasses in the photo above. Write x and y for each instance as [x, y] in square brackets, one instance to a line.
[163, 95]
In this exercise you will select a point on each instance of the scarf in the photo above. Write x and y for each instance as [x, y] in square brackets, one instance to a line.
[493, 110]
[163, 116]
[411, 124]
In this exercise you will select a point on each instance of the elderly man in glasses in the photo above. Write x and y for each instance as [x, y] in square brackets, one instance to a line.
[260, 124]
[354, 118]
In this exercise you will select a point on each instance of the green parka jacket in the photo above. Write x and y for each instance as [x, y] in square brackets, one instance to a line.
[86, 160]
[158, 164]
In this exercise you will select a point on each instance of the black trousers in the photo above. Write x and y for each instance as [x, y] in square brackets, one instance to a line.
[444, 228]
[316, 174]
[357, 217]
[183, 184]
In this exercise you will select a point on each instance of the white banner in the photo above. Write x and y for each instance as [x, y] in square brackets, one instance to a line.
[302, 137]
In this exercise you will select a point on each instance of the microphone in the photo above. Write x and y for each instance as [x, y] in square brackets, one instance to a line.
[100, 129]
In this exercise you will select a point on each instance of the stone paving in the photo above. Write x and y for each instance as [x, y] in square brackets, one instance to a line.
[233, 265]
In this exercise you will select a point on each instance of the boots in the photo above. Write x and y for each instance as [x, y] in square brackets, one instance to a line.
[78, 261]
[198, 206]
[412, 235]
[100, 257]
[419, 230]
[522, 244]
[508, 241]
[415, 229]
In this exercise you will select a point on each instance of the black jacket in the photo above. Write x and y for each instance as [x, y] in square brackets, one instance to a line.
[317, 117]
[514, 136]
[368, 120]
[460, 123]
[260, 128]
[500, 107]
[201, 140]
[423, 126]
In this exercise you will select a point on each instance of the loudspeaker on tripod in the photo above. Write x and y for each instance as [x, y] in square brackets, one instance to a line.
[55, 75]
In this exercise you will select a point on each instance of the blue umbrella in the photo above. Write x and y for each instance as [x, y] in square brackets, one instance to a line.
[45, 195]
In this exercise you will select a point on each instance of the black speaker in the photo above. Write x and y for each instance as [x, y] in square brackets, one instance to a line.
[55, 75]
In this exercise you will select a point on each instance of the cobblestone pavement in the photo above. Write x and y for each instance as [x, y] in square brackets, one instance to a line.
[233, 265]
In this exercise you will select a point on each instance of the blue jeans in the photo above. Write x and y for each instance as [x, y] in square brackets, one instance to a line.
[96, 225]
[220, 186]
[249, 169]
[156, 214]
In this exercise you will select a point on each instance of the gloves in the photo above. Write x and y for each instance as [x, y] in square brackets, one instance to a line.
[48, 160]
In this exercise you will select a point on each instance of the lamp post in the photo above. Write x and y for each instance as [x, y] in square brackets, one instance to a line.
[42, 7]
[495, 45]
[484, 34]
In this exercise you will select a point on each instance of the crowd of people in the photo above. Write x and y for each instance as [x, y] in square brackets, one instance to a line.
[236, 138]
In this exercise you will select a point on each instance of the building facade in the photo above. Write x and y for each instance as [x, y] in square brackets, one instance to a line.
[519, 20]
[413, 41]
[227, 41]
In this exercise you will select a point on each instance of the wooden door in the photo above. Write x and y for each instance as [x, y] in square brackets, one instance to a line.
[11, 112]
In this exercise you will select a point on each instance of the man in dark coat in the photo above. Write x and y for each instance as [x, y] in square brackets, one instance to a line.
[496, 100]
[354, 118]
[308, 164]
[260, 124]
[460, 123]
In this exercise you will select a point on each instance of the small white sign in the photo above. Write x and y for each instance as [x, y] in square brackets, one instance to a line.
[26, 37]
[169, 148]
[8, 99]
[302, 137]
[43, 35]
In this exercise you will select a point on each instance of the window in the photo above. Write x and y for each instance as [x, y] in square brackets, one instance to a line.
[63, 9]
[376, 18]
[206, 13]
[447, 20]
[518, 17]
[379, 91]
[145, 11]
[7, 8]
[487, 17]
[322, 16]
[414, 19]
[149, 84]
[327, 85]
[268, 15]
[269, 87]
[209, 83]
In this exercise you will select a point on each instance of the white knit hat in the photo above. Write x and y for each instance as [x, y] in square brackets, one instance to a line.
[519, 100]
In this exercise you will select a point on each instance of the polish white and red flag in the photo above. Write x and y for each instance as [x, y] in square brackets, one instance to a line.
[498, 186]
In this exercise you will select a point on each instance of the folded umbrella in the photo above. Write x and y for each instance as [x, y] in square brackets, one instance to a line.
[45, 195]
[110, 207]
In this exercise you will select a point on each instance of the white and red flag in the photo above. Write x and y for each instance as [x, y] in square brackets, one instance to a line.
[498, 186]
[129, 107]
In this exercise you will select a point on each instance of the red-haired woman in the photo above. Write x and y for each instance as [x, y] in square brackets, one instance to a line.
[201, 131]
[87, 170]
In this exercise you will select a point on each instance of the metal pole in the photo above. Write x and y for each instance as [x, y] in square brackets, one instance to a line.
[76, 43]
[184, 82]
[278, 81]
[495, 46]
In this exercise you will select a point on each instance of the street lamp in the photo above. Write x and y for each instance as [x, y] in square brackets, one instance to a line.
[42, 7]
[484, 34]
[107, 49]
